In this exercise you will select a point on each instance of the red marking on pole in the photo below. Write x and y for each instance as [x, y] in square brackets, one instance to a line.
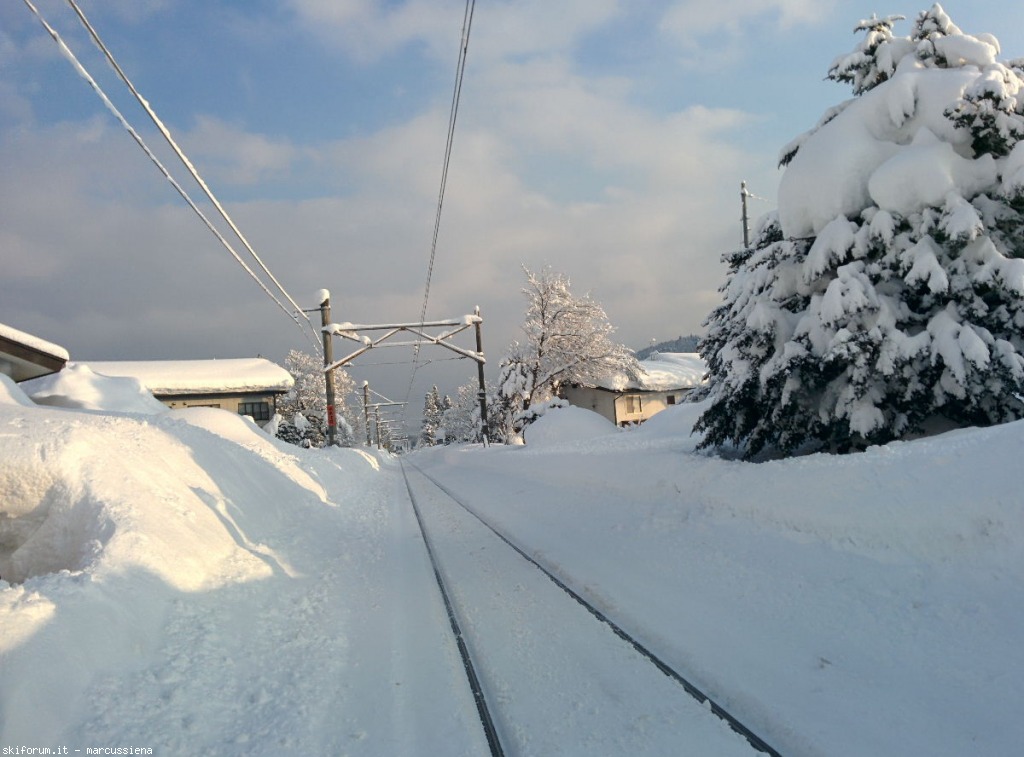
[330, 416]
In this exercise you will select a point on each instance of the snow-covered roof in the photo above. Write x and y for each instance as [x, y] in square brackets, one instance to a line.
[24, 356]
[661, 372]
[224, 376]
[37, 344]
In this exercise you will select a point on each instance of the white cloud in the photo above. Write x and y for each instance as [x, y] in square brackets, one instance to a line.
[367, 30]
[687, 19]
[716, 29]
[551, 165]
[232, 156]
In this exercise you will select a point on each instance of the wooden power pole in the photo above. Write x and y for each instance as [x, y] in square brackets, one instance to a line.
[746, 224]
[480, 377]
[366, 412]
[325, 318]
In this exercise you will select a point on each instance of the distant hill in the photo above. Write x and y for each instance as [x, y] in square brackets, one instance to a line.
[680, 344]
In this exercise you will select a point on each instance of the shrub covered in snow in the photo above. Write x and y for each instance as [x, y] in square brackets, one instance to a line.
[886, 295]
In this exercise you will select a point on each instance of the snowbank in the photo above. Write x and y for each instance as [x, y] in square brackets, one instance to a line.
[11, 393]
[131, 542]
[77, 386]
[567, 424]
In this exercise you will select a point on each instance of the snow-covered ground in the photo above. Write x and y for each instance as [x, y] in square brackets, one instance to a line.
[181, 582]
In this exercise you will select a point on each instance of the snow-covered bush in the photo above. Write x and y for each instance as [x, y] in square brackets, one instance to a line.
[886, 295]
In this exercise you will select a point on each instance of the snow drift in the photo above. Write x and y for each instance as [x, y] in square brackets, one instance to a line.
[182, 581]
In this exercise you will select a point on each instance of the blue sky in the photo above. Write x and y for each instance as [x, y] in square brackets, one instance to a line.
[604, 138]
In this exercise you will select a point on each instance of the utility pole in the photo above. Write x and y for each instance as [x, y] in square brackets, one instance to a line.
[746, 226]
[480, 376]
[366, 412]
[325, 319]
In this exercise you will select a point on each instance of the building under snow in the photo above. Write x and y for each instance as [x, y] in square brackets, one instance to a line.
[665, 379]
[247, 386]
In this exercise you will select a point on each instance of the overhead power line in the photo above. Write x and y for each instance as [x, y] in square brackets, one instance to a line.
[467, 24]
[80, 68]
[460, 69]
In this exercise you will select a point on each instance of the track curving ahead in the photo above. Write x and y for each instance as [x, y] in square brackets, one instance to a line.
[491, 715]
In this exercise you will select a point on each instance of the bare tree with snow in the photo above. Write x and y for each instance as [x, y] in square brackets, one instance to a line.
[886, 296]
[567, 340]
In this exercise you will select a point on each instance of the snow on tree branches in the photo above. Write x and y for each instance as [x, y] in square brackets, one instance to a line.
[886, 296]
[304, 408]
[431, 428]
[568, 340]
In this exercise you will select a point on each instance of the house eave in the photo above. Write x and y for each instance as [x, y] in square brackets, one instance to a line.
[24, 362]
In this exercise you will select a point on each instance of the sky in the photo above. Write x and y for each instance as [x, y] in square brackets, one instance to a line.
[606, 139]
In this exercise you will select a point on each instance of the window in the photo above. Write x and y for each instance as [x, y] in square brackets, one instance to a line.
[634, 404]
[670, 399]
[258, 411]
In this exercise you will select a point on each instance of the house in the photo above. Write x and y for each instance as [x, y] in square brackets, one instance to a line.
[23, 356]
[665, 379]
[247, 386]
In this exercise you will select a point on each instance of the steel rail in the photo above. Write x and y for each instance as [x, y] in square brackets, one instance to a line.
[486, 720]
[714, 707]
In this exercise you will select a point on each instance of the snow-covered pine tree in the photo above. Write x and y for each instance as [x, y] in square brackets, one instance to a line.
[446, 407]
[431, 418]
[886, 295]
[874, 60]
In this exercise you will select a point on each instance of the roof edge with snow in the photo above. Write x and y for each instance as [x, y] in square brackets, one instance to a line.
[217, 376]
[24, 356]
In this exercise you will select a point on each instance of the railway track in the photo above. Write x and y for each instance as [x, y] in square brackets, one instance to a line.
[540, 667]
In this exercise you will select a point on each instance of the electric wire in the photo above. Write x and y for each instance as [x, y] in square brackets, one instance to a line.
[66, 51]
[460, 69]
[184, 158]
[408, 362]
[83, 72]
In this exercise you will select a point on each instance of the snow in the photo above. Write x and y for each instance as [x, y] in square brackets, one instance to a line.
[892, 146]
[200, 376]
[183, 582]
[40, 345]
[924, 173]
[1013, 171]
[78, 386]
[567, 424]
[11, 393]
[661, 372]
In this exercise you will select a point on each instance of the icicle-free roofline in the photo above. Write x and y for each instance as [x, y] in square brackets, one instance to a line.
[201, 376]
[28, 340]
